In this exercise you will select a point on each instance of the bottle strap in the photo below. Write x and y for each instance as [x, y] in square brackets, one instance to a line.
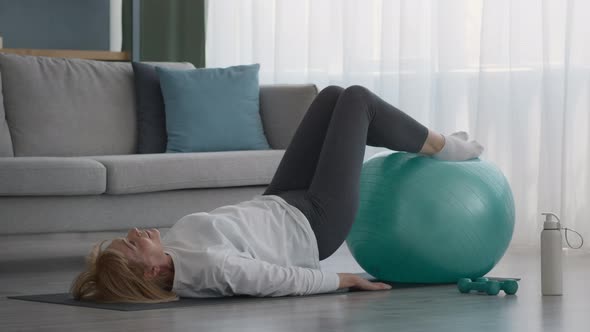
[567, 240]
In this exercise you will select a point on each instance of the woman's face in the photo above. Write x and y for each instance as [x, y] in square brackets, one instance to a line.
[141, 246]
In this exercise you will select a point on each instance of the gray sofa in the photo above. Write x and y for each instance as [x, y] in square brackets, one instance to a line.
[68, 142]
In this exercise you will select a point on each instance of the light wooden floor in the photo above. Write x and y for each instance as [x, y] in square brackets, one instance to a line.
[421, 309]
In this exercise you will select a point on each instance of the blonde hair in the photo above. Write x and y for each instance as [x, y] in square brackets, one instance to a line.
[111, 277]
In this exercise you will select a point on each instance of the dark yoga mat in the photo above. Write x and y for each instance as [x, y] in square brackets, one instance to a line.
[66, 299]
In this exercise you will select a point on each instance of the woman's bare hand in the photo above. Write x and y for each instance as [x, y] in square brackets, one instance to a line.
[349, 280]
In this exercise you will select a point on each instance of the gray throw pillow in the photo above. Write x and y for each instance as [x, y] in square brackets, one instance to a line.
[151, 119]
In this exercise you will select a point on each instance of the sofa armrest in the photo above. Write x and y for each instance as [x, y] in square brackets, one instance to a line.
[282, 108]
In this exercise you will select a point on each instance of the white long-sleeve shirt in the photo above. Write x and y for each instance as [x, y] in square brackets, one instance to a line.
[260, 247]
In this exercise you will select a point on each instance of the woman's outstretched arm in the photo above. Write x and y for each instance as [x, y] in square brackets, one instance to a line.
[242, 275]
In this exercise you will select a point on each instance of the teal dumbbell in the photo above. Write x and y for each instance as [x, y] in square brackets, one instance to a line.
[491, 287]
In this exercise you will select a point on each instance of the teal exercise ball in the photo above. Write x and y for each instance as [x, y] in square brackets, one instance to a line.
[422, 220]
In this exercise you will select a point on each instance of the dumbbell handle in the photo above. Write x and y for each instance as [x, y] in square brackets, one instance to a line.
[465, 285]
[479, 286]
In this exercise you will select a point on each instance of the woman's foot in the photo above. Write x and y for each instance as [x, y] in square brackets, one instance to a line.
[454, 147]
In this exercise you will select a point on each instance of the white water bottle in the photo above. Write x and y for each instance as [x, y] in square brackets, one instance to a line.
[551, 256]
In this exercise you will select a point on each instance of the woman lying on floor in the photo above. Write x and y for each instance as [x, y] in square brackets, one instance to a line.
[272, 244]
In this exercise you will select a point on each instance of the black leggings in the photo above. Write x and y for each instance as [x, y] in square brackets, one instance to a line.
[320, 171]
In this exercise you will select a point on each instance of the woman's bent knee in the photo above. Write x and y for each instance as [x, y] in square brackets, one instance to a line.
[358, 99]
[332, 90]
[357, 90]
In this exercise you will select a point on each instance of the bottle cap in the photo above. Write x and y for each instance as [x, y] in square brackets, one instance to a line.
[552, 225]
[549, 223]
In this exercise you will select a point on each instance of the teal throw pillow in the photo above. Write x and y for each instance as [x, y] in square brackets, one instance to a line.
[212, 109]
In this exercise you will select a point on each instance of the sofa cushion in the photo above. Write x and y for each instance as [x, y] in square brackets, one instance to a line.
[40, 176]
[167, 171]
[212, 109]
[5, 141]
[151, 119]
[68, 107]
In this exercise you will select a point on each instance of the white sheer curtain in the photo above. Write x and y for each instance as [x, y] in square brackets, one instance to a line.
[514, 74]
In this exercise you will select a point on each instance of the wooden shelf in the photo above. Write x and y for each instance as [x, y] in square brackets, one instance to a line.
[79, 54]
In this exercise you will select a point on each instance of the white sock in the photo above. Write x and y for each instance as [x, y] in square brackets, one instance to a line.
[457, 148]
